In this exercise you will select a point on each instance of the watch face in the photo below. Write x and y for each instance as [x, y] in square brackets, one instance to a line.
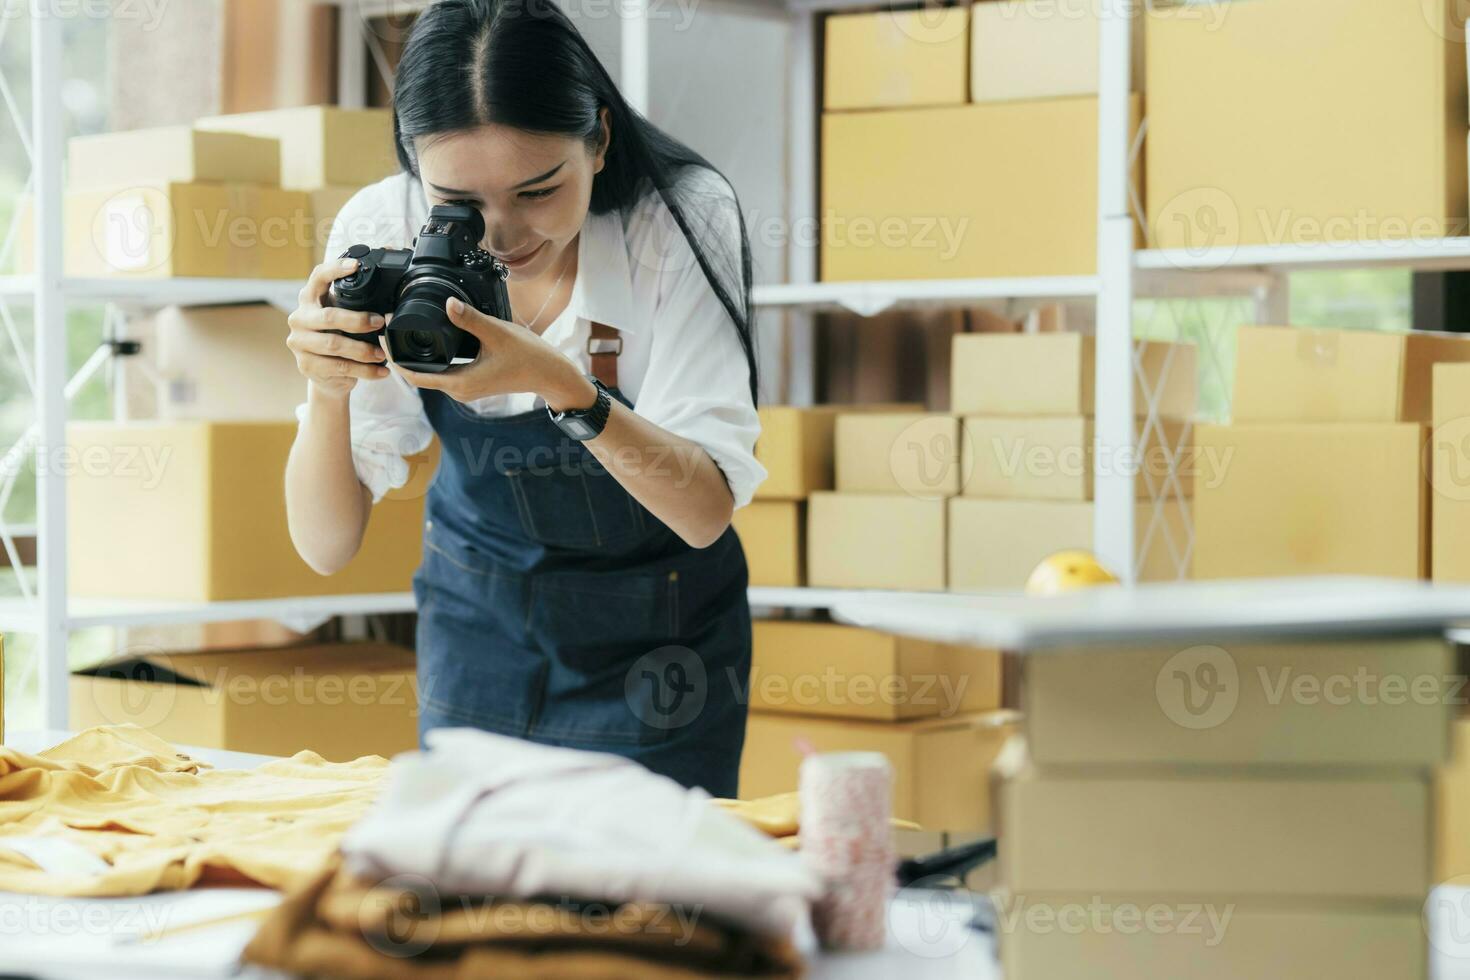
[579, 428]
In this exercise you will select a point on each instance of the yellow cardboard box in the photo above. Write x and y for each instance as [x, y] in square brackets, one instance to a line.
[1001, 189]
[195, 511]
[994, 545]
[1237, 835]
[226, 363]
[941, 766]
[915, 453]
[1452, 809]
[810, 668]
[773, 534]
[896, 58]
[1020, 49]
[1054, 458]
[1054, 374]
[1383, 702]
[342, 700]
[171, 153]
[326, 204]
[1449, 474]
[1302, 87]
[1306, 374]
[797, 447]
[321, 145]
[875, 541]
[1344, 499]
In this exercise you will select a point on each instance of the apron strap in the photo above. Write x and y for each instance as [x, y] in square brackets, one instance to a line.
[604, 346]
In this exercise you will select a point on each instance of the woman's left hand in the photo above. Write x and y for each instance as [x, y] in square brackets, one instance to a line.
[512, 359]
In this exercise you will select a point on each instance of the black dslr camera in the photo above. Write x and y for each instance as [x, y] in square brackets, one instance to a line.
[414, 284]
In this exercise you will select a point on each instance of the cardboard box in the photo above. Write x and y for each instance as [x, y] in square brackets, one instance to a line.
[773, 534]
[226, 363]
[1238, 836]
[994, 545]
[321, 145]
[1305, 374]
[326, 203]
[241, 634]
[1054, 374]
[875, 541]
[1004, 189]
[1287, 500]
[1300, 85]
[195, 511]
[941, 766]
[1054, 458]
[810, 668]
[1452, 809]
[1449, 474]
[238, 231]
[914, 453]
[171, 153]
[896, 58]
[797, 447]
[1020, 49]
[1381, 702]
[1206, 938]
[342, 701]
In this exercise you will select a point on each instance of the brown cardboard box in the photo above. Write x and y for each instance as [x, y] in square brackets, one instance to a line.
[326, 203]
[171, 153]
[321, 145]
[940, 765]
[341, 701]
[1053, 374]
[1311, 500]
[1053, 458]
[1245, 835]
[1205, 938]
[810, 668]
[773, 534]
[896, 58]
[1301, 86]
[1003, 189]
[796, 446]
[194, 511]
[1452, 809]
[1305, 374]
[1384, 703]
[226, 363]
[1449, 474]
[994, 545]
[241, 634]
[913, 453]
[1020, 49]
[875, 541]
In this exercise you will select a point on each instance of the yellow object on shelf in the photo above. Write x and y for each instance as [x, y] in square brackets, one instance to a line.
[1068, 571]
[896, 58]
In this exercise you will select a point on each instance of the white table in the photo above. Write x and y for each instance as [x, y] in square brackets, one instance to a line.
[73, 939]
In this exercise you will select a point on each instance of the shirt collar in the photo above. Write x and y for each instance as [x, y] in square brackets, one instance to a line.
[603, 292]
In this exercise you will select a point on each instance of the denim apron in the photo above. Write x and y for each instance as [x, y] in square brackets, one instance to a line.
[554, 607]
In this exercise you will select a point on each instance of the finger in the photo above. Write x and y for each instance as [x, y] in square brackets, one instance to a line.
[472, 321]
[318, 284]
[335, 345]
[315, 365]
[334, 318]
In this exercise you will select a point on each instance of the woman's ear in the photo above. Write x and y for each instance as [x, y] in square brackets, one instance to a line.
[599, 158]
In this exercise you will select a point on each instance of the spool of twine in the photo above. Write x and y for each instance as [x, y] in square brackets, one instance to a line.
[846, 806]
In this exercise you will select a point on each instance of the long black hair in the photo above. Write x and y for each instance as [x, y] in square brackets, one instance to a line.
[523, 64]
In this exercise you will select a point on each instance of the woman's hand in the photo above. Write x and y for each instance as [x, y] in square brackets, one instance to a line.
[512, 359]
[330, 362]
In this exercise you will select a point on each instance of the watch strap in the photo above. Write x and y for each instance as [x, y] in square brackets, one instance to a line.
[586, 423]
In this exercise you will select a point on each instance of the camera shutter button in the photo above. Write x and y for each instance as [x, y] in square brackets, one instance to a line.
[356, 252]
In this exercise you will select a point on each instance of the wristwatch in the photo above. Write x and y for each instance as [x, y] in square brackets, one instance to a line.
[585, 423]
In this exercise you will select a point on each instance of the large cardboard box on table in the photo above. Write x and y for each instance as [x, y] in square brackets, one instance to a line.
[196, 511]
[875, 541]
[1053, 458]
[321, 145]
[1449, 475]
[226, 363]
[773, 534]
[941, 766]
[1054, 375]
[1312, 84]
[896, 58]
[1305, 374]
[840, 671]
[995, 544]
[915, 453]
[1002, 189]
[171, 153]
[341, 701]
[1381, 702]
[1020, 49]
[1346, 499]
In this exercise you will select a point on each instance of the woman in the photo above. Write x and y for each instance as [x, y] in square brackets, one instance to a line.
[587, 594]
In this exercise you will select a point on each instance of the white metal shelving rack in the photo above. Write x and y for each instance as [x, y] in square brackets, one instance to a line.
[1122, 273]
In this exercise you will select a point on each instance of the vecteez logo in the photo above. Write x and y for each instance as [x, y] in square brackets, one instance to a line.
[1198, 688]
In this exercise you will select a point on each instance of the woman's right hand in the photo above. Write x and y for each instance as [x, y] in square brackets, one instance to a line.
[331, 362]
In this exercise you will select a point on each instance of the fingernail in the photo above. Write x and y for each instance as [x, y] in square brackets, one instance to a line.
[455, 306]
[375, 321]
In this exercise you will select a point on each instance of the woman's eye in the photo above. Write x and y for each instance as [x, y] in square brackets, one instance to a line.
[541, 193]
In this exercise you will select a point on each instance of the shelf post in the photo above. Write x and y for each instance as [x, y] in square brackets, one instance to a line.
[803, 239]
[634, 54]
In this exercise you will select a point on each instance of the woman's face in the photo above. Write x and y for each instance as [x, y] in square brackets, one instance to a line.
[532, 189]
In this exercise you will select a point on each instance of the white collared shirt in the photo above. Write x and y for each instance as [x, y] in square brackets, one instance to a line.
[682, 365]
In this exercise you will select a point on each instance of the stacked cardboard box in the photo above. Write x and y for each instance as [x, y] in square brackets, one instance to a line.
[1207, 811]
[1322, 470]
[1449, 474]
[1029, 458]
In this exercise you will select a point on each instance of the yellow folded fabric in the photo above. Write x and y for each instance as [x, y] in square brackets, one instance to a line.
[161, 820]
[780, 815]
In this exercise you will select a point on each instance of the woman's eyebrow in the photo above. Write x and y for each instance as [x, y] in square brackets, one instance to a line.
[538, 179]
[448, 192]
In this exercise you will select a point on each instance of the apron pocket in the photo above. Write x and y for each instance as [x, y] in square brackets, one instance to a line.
[581, 508]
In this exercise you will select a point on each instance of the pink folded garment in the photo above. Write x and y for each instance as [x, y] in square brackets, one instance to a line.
[483, 814]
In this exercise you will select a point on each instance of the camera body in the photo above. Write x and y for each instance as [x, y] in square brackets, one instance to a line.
[413, 284]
